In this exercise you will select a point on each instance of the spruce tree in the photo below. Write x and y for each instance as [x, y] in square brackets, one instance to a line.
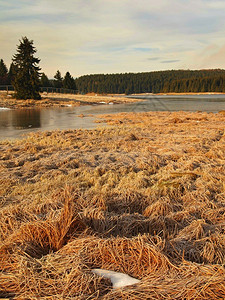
[12, 73]
[26, 82]
[45, 81]
[69, 82]
[58, 82]
[3, 73]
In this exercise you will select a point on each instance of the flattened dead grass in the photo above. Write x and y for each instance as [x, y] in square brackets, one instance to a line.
[62, 100]
[145, 196]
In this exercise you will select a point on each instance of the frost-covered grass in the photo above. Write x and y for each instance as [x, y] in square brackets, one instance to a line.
[144, 197]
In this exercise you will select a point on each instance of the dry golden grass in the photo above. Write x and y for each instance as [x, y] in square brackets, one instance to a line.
[62, 100]
[145, 196]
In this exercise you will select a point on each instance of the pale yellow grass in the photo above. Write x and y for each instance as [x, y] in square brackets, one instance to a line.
[145, 196]
[62, 100]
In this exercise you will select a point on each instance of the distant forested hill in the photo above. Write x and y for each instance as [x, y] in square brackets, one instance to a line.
[178, 81]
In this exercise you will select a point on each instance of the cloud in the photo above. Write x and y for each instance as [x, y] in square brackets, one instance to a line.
[141, 49]
[180, 17]
[170, 61]
[86, 36]
[153, 58]
[212, 56]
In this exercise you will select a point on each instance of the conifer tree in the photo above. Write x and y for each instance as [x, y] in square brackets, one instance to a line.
[58, 82]
[45, 81]
[69, 82]
[26, 82]
[3, 73]
[12, 73]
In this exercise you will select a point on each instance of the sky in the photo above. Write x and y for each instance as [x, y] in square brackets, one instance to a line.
[116, 36]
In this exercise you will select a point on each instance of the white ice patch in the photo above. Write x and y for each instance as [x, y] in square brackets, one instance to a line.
[4, 108]
[118, 279]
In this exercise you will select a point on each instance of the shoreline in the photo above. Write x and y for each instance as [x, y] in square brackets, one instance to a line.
[67, 100]
[178, 94]
[63, 100]
[190, 94]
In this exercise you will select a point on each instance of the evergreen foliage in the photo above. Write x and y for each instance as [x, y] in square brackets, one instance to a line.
[58, 82]
[24, 75]
[3, 73]
[45, 81]
[26, 82]
[69, 82]
[12, 73]
[179, 81]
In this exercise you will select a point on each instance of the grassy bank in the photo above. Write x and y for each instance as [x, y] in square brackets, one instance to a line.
[190, 93]
[145, 197]
[61, 100]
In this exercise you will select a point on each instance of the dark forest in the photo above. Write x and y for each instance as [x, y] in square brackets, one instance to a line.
[178, 81]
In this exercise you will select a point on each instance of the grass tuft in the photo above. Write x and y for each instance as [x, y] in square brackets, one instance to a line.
[145, 196]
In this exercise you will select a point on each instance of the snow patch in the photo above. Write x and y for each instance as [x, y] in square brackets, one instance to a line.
[118, 279]
[4, 108]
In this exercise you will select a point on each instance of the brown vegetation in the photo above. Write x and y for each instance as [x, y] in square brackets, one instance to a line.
[191, 93]
[145, 196]
[62, 100]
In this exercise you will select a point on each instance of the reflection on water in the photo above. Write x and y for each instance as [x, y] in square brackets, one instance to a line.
[26, 118]
[14, 123]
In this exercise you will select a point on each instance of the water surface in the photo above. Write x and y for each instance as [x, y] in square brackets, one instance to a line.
[15, 123]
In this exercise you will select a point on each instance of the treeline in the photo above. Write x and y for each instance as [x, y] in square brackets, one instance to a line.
[66, 82]
[179, 81]
[154, 82]
[7, 78]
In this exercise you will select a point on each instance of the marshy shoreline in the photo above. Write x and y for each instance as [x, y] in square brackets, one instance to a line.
[144, 196]
[74, 100]
[62, 100]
